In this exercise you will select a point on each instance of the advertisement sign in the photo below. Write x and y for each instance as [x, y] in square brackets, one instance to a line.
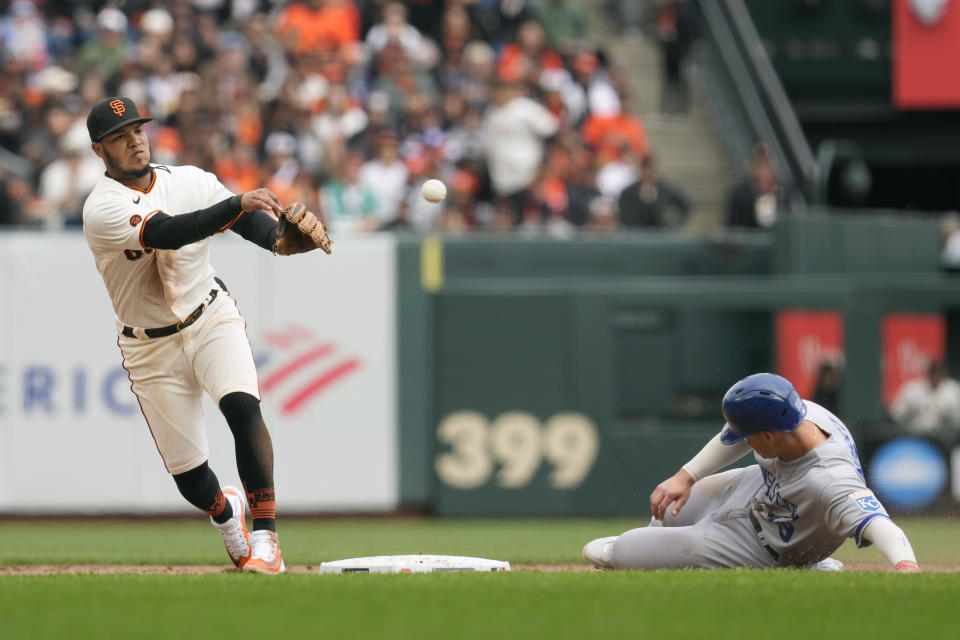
[910, 343]
[926, 41]
[908, 473]
[805, 340]
[322, 330]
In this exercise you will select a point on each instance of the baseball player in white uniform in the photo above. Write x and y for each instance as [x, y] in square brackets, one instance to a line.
[180, 334]
[795, 507]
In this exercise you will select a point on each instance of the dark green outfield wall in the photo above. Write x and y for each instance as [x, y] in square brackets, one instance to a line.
[548, 377]
[856, 243]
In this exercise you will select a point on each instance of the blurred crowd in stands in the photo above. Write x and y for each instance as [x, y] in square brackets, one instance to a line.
[346, 106]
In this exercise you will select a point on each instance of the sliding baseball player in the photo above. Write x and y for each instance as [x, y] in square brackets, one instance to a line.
[802, 499]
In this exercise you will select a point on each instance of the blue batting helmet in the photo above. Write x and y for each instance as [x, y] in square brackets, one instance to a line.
[761, 402]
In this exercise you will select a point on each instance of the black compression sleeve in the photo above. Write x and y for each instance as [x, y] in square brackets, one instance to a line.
[257, 227]
[162, 231]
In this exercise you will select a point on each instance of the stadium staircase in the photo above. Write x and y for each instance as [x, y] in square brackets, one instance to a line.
[689, 151]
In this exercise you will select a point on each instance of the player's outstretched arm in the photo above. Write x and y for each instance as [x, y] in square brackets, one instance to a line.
[162, 231]
[257, 227]
[892, 542]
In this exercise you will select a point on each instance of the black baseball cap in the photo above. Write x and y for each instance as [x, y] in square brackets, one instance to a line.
[109, 115]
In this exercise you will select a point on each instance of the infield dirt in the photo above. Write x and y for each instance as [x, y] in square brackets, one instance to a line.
[108, 569]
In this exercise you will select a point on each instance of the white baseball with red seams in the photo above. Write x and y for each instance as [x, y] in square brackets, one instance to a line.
[433, 190]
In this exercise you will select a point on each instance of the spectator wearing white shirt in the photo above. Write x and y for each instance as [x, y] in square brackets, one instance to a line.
[342, 119]
[394, 27]
[929, 406]
[66, 182]
[23, 35]
[950, 242]
[164, 86]
[516, 129]
[386, 176]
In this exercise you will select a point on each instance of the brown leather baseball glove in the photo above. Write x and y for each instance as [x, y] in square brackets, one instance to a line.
[299, 231]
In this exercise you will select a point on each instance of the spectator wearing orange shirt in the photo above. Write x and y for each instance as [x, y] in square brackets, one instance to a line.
[525, 59]
[609, 127]
[238, 169]
[308, 27]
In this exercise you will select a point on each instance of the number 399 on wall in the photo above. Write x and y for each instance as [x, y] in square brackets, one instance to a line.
[518, 443]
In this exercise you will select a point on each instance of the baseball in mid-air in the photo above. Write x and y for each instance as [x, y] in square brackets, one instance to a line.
[433, 190]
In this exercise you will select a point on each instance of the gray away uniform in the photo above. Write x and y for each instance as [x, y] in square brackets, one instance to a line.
[773, 513]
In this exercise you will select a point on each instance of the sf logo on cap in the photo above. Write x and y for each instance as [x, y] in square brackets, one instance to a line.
[118, 107]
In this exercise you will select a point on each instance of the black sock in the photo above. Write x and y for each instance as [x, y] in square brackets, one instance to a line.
[202, 489]
[254, 451]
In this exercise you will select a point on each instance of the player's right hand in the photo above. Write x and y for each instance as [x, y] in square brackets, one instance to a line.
[675, 489]
[262, 199]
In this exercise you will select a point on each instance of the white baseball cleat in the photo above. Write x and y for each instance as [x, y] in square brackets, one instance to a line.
[234, 531]
[828, 564]
[265, 557]
[599, 552]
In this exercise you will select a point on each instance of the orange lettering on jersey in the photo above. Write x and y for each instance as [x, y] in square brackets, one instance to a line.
[118, 107]
[135, 220]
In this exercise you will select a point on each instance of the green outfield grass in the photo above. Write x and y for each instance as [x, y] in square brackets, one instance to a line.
[521, 604]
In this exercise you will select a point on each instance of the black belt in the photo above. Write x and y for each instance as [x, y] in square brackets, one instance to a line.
[171, 329]
[762, 536]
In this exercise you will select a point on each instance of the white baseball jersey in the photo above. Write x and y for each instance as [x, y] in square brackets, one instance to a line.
[156, 288]
[151, 288]
[807, 507]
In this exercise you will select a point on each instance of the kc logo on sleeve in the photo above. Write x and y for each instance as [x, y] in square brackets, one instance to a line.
[867, 501]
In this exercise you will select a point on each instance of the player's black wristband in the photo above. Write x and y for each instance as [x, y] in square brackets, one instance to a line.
[162, 231]
[257, 227]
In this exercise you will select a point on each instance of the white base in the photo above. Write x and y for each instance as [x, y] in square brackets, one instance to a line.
[412, 564]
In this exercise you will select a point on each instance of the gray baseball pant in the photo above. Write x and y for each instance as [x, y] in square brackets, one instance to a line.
[712, 529]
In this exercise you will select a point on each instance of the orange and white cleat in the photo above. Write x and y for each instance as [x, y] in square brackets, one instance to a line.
[236, 538]
[265, 555]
